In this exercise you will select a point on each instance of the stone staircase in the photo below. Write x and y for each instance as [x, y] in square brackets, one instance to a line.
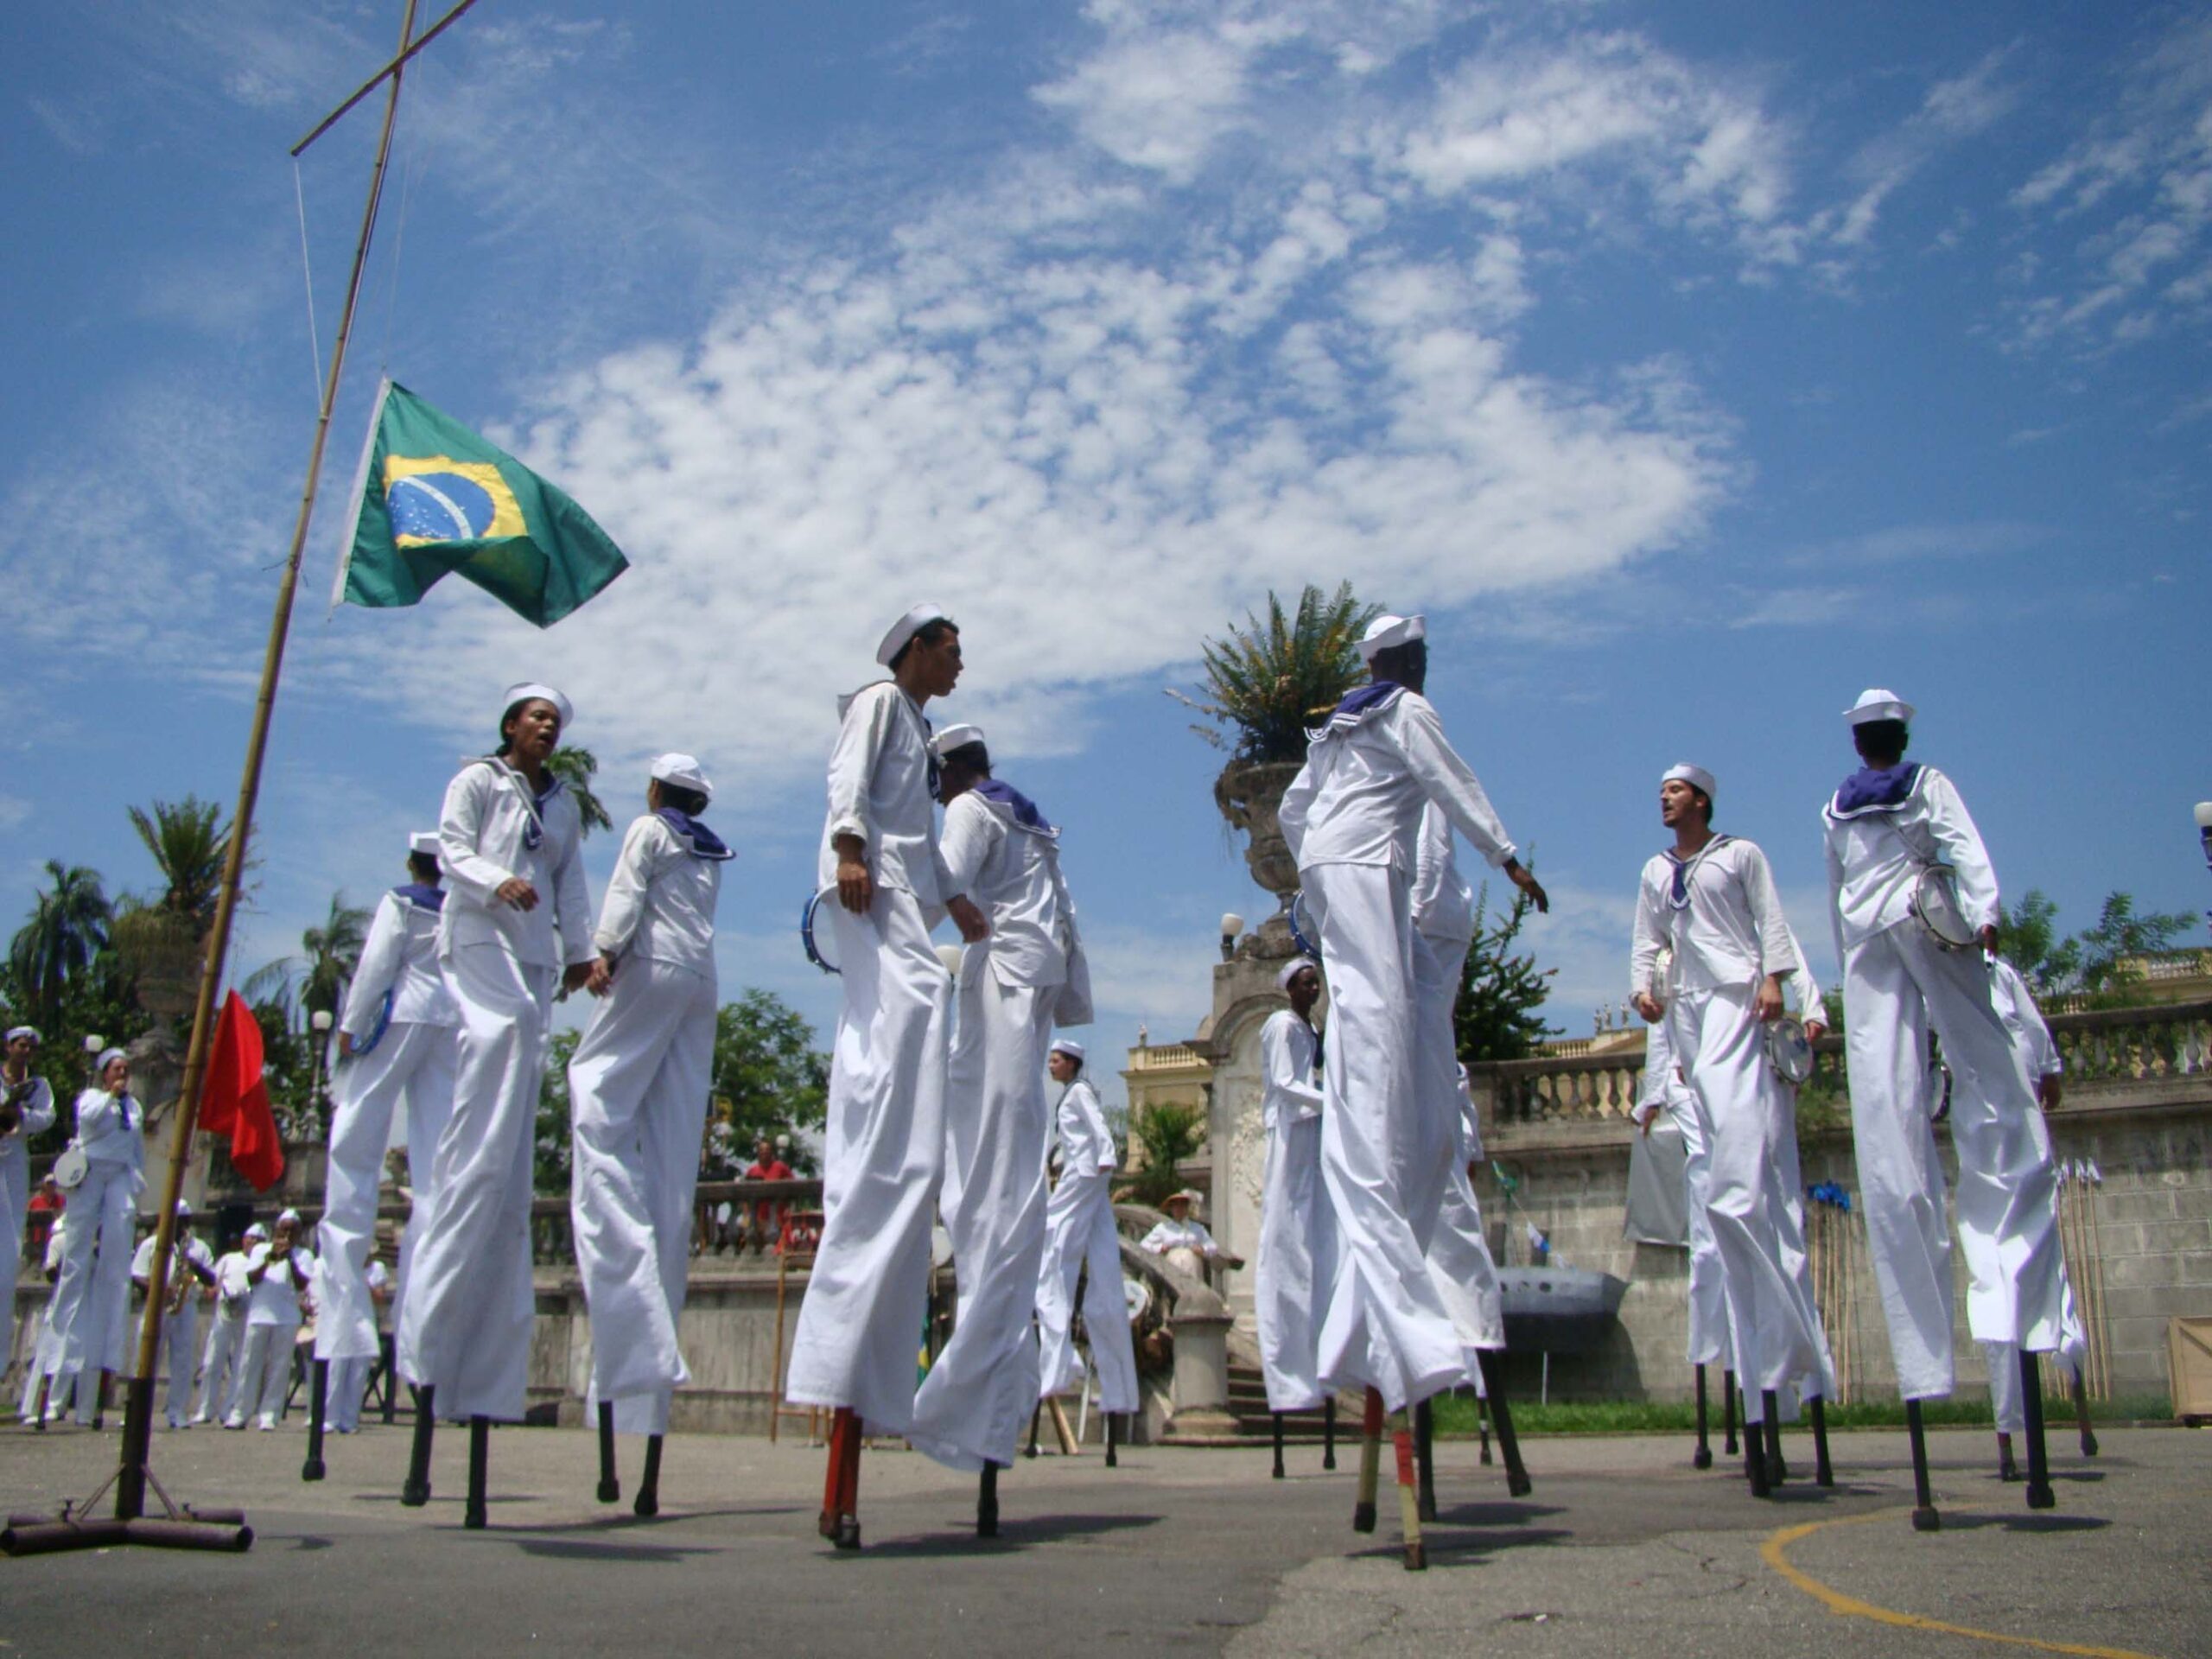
[1248, 1404]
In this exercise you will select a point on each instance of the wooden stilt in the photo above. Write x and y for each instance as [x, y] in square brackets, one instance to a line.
[2040, 1497]
[99, 1401]
[1516, 1472]
[1925, 1517]
[1370, 1459]
[318, 1403]
[848, 1427]
[2082, 1414]
[1728, 1411]
[1702, 1458]
[38, 1411]
[1276, 1422]
[1771, 1431]
[1329, 1433]
[610, 1484]
[1482, 1425]
[1755, 1461]
[1425, 1458]
[1823, 1472]
[473, 1515]
[1036, 1418]
[648, 1503]
[1113, 1426]
[2007, 1469]
[986, 1504]
[417, 1492]
[1409, 1516]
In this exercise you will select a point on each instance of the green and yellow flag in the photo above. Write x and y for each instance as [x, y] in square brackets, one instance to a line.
[434, 498]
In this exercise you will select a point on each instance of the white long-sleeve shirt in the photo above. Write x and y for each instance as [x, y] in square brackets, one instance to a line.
[660, 900]
[1014, 874]
[1086, 1144]
[230, 1286]
[2016, 1006]
[111, 1128]
[184, 1248]
[483, 835]
[1174, 1235]
[880, 791]
[37, 1109]
[400, 956]
[1730, 934]
[1359, 798]
[1875, 855]
[1443, 900]
[1290, 1084]
[276, 1298]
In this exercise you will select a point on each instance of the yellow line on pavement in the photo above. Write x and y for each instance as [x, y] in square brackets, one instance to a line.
[1773, 1552]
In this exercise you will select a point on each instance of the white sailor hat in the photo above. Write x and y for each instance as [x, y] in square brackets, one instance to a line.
[529, 688]
[906, 627]
[108, 1057]
[955, 737]
[1066, 1045]
[183, 1208]
[1876, 703]
[1386, 630]
[31, 1032]
[257, 1230]
[287, 1214]
[682, 771]
[1696, 777]
[424, 842]
[1292, 969]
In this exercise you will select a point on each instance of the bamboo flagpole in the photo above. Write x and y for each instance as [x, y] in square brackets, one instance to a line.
[185, 1527]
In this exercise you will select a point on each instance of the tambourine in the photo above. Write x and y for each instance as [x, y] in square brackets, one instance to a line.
[71, 1168]
[1935, 903]
[376, 1032]
[1304, 927]
[807, 938]
[1136, 1296]
[1789, 1050]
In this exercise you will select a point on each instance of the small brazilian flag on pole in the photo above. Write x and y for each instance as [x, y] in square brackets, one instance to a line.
[434, 498]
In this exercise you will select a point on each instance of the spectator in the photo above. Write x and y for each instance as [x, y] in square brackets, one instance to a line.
[768, 1165]
[1186, 1244]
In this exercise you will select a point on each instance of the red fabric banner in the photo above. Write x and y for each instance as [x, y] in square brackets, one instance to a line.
[234, 1097]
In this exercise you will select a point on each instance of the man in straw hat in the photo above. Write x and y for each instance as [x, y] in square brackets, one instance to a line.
[515, 928]
[1027, 975]
[1895, 828]
[884, 1140]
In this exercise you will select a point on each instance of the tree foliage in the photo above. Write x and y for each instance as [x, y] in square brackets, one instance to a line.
[577, 766]
[98, 1000]
[2101, 962]
[188, 841]
[1270, 680]
[1166, 1133]
[1501, 990]
[68, 927]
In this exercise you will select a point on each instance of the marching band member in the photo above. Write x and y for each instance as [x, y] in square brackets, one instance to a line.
[1079, 1230]
[1885, 827]
[1027, 975]
[26, 1109]
[1710, 900]
[1294, 1251]
[516, 926]
[884, 1149]
[191, 1264]
[90, 1303]
[219, 1366]
[398, 1034]
[639, 1089]
[280, 1273]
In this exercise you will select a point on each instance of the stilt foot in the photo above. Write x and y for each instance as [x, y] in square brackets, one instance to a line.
[2042, 1498]
[1363, 1517]
[1417, 1557]
[848, 1534]
[1925, 1519]
[313, 1469]
[2089, 1444]
[1702, 1458]
[610, 1491]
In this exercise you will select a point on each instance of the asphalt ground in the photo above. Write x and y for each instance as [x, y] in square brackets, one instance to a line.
[1621, 1547]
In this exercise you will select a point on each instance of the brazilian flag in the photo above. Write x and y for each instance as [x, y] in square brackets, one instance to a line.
[434, 498]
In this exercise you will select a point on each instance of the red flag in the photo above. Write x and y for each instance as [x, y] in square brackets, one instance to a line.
[234, 1097]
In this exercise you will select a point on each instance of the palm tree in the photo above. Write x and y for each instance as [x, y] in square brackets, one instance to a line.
[576, 768]
[68, 926]
[189, 842]
[1271, 680]
[334, 950]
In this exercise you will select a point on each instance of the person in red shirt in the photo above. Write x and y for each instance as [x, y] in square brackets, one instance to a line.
[768, 1165]
[44, 1210]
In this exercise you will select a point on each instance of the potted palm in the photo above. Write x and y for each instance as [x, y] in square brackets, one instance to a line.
[1266, 683]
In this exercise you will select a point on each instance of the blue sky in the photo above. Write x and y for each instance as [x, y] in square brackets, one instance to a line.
[1692, 366]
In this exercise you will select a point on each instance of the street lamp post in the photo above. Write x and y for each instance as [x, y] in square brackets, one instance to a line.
[1232, 925]
[321, 1021]
[93, 1044]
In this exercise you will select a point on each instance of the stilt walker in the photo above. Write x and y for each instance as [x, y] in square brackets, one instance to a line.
[1295, 1254]
[1911, 891]
[515, 927]
[638, 1087]
[1024, 977]
[26, 1109]
[398, 1036]
[85, 1318]
[885, 1141]
[1352, 822]
[1083, 1253]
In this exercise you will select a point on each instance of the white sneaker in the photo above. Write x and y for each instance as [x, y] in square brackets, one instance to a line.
[267, 1422]
[234, 1420]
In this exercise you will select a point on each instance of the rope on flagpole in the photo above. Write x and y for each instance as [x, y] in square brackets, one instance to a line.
[306, 270]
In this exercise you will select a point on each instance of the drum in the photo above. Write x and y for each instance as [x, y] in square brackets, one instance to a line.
[1935, 902]
[1305, 926]
[821, 948]
[71, 1168]
[1789, 1050]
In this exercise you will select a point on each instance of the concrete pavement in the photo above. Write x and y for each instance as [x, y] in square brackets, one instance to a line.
[1621, 1547]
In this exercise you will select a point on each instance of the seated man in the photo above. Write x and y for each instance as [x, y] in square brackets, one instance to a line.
[1187, 1243]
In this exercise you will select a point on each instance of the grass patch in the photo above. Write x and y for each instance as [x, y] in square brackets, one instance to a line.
[1455, 1413]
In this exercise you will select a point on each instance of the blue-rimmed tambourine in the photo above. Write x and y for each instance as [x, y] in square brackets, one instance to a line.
[376, 1032]
[1305, 926]
[1789, 1050]
[813, 943]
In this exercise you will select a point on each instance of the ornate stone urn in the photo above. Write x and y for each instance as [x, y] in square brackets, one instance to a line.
[1250, 794]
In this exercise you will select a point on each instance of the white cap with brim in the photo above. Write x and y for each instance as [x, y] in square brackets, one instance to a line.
[292, 1216]
[108, 1057]
[31, 1032]
[1387, 630]
[955, 737]
[682, 771]
[530, 689]
[183, 1209]
[257, 1230]
[1696, 777]
[1876, 703]
[424, 842]
[1188, 1195]
[906, 627]
[1292, 969]
[1067, 1045]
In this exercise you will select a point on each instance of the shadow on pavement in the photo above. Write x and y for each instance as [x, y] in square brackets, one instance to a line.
[959, 1537]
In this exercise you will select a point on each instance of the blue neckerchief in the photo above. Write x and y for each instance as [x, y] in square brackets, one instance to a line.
[1371, 695]
[417, 892]
[1024, 809]
[929, 753]
[704, 842]
[1679, 893]
[1877, 786]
